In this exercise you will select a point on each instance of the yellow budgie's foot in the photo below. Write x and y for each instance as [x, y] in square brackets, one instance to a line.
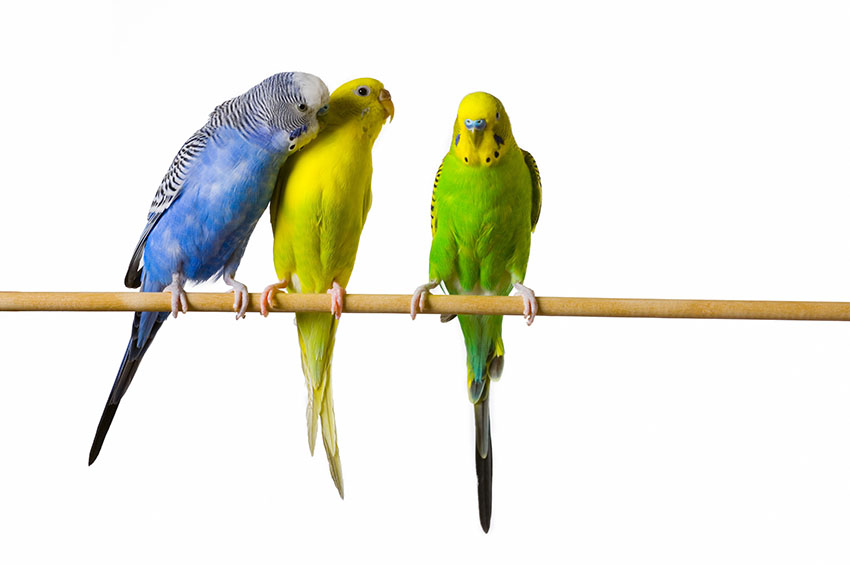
[240, 296]
[529, 302]
[268, 295]
[336, 292]
[417, 302]
[179, 302]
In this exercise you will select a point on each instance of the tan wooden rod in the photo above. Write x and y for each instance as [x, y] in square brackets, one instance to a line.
[436, 304]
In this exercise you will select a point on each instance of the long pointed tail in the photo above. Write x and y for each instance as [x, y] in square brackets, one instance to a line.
[145, 324]
[484, 363]
[484, 462]
[316, 335]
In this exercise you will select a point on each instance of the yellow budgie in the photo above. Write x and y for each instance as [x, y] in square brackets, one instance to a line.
[322, 197]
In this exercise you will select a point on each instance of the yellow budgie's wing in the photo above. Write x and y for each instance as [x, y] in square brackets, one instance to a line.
[434, 201]
[277, 195]
[536, 188]
[367, 201]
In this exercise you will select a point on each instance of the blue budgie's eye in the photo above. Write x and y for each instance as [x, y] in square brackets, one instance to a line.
[363, 91]
[323, 110]
[302, 107]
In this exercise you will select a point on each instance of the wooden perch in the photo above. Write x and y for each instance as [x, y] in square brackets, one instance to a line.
[436, 304]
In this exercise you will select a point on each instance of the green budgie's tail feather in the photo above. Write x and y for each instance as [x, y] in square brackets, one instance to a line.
[484, 361]
[484, 461]
[316, 334]
[484, 352]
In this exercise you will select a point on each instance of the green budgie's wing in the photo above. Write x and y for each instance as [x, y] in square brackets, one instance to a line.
[443, 317]
[434, 201]
[536, 188]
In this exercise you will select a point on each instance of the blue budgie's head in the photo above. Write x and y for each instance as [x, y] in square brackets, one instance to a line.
[284, 107]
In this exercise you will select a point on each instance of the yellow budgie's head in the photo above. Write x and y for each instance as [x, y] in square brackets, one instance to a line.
[364, 100]
[482, 131]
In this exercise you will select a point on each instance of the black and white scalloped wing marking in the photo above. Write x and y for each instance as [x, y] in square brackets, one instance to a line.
[166, 194]
[434, 201]
[536, 188]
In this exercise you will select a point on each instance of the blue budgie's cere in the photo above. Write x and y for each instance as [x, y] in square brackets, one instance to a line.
[209, 202]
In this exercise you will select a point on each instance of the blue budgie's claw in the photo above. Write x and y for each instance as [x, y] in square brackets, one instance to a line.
[240, 296]
[179, 301]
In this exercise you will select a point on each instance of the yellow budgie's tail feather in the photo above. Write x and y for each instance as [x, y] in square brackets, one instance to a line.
[484, 461]
[329, 438]
[316, 334]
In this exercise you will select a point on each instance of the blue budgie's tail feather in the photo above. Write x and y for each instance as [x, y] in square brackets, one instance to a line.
[484, 461]
[145, 326]
[133, 278]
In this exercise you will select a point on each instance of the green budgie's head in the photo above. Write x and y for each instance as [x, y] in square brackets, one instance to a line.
[482, 131]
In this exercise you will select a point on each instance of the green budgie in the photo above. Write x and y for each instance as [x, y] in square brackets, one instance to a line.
[484, 206]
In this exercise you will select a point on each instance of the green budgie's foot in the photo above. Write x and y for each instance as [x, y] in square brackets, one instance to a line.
[268, 296]
[529, 302]
[336, 292]
[417, 301]
[240, 296]
[179, 302]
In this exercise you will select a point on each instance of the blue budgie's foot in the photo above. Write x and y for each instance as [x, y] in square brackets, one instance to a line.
[267, 299]
[417, 302]
[240, 296]
[179, 302]
[336, 292]
[529, 302]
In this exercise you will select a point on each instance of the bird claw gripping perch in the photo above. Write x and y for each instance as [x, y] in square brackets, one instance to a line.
[267, 298]
[529, 302]
[417, 301]
[179, 301]
[337, 293]
[240, 296]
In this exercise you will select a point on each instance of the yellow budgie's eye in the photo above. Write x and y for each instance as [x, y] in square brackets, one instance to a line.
[363, 91]
[323, 110]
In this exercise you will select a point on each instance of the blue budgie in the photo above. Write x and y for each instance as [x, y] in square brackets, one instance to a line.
[209, 202]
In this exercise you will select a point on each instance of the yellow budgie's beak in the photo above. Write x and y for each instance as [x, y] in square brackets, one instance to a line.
[387, 102]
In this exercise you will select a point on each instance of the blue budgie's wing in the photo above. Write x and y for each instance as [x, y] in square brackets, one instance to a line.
[169, 190]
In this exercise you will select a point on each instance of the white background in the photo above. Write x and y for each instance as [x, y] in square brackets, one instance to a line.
[688, 150]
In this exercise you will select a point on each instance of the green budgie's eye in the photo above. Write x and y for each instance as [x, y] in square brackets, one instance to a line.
[363, 91]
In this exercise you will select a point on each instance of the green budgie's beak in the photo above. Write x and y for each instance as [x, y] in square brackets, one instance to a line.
[476, 130]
